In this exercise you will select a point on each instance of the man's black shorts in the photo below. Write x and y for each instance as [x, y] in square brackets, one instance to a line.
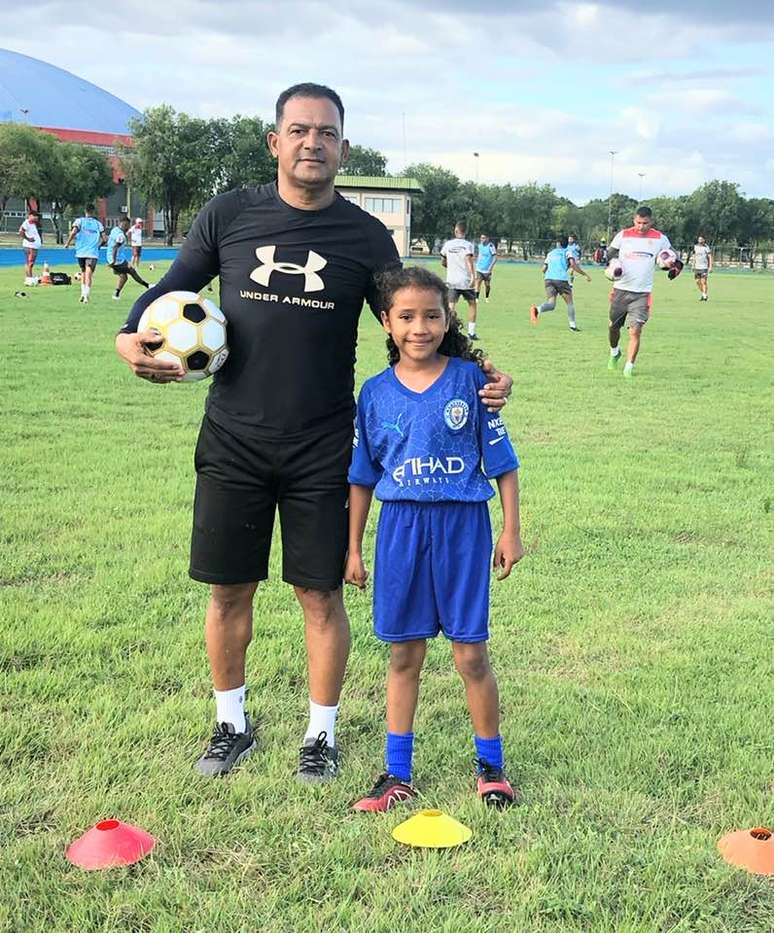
[241, 482]
[119, 268]
[83, 262]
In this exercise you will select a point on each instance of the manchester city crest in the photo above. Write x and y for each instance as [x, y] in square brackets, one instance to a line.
[456, 413]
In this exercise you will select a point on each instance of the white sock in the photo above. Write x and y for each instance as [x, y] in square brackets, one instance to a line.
[629, 367]
[615, 351]
[86, 290]
[230, 707]
[83, 290]
[471, 328]
[322, 719]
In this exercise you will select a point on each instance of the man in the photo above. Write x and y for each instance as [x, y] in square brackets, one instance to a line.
[295, 262]
[457, 257]
[29, 231]
[117, 261]
[89, 235]
[485, 263]
[702, 266]
[636, 249]
[557, 267]
[136, 242]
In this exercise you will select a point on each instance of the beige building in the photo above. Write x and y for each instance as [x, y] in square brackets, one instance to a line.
[388, 198]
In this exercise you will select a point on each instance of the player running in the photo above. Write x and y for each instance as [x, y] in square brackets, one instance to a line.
[632, 257]
[29, 231]
[428, 450]
[117, 261]
[89, 235]
[457, 257]
[486, 259]
[701, 257]
[556, 273]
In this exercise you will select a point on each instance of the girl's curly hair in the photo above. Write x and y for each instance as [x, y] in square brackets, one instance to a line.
[455, 342]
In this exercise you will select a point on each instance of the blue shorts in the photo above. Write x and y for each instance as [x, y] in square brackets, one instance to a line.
[431, 571]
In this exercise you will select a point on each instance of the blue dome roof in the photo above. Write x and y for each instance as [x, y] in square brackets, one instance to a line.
[55, 98]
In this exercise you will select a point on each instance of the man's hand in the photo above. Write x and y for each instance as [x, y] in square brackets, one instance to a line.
[508, 551]
[677, 268]
[133, 350]
[355, 571]
[497, 388]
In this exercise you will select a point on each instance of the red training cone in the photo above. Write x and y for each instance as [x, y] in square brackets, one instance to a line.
[108, 844]
[751, 849]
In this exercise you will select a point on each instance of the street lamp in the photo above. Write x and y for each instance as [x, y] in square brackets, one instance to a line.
[613, 153]
[475, 156]
[642, 175]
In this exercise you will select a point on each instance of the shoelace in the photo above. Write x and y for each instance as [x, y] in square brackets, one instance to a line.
[488, 772]
[221, 742]
[381, 785]
[314, 757]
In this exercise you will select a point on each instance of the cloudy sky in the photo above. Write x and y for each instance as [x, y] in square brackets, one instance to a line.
[682, 91]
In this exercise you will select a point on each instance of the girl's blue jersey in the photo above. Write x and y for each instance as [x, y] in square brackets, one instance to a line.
[439, 445]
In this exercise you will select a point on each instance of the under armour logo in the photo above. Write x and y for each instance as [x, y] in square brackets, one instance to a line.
[314, 262]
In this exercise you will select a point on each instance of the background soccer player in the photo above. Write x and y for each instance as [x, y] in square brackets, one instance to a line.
[701, 257]
[89, 236]
[556, 274]
[283, 252]
[29, 231]
[457, 256]
[486, 259]
[135, 239]
[117, 261]
[637, 249]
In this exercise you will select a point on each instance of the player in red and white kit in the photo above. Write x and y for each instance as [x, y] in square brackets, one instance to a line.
[637, 250]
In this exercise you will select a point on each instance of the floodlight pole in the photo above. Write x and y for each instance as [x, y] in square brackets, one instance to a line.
[642, 175]
[613, 153]
[475, 156]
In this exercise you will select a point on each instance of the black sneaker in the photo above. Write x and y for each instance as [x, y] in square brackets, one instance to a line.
[227, 748]
[473, 337]
[317, 761]
[493, 786]
[575, 329]
[387, 791]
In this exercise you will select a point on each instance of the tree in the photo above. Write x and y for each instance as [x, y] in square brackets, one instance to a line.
[242, 152]
[716, 210]
[29, 163]
[173, 162]
[433, 210]
[363, 161]
[84, 175]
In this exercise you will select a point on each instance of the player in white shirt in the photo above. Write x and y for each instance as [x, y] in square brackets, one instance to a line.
[31, 240]
[135, 240]
[636, 251]
[457, 256]
[702, 266]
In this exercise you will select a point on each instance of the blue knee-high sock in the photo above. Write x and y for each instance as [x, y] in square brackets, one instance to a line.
[398, 753]
[490, 750]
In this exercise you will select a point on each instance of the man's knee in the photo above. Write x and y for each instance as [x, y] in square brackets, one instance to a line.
[472, 662]
[234, 599]
[321, 607]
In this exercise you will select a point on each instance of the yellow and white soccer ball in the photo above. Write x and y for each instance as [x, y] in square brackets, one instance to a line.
[194, 332]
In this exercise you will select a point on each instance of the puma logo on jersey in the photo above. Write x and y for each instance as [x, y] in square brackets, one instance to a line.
[394, 426]
[314, 263]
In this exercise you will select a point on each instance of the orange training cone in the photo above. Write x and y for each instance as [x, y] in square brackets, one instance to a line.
[108, 844]
[751, 849]
[45, 279]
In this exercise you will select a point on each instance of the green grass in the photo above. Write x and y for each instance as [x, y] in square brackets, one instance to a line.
[633, 647]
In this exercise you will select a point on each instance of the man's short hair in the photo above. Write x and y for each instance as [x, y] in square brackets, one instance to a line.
[461, 226]
[90, 208]
[124, 220]
[643, 211]
[562, 241]
[307, 89]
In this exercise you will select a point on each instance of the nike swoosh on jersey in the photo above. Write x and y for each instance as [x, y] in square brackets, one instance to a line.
[497, 439]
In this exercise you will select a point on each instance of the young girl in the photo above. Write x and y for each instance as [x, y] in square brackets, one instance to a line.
[428, 447]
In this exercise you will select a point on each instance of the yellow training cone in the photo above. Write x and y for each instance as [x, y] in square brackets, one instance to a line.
[431, 829]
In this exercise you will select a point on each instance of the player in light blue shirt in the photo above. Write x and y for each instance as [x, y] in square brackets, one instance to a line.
[89, 235]
[117, 259]
[486, 259]
[427, 447]
[557, 269]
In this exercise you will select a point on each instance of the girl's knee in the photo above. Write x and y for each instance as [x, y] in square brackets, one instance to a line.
[472, 661]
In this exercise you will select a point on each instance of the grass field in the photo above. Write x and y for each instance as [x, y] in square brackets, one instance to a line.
[634, 647]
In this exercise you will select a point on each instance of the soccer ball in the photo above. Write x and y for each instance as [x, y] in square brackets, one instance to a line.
[194, 332]
[614, 269]
[666, 258]
[77, 276]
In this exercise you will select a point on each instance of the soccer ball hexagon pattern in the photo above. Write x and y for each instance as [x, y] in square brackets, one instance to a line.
[193, 331]
[666, 258]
